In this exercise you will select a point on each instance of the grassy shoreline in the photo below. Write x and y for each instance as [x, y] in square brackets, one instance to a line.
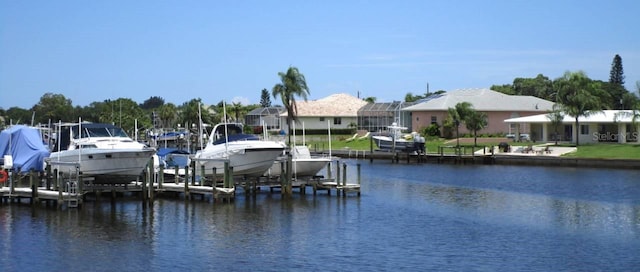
[592, 151]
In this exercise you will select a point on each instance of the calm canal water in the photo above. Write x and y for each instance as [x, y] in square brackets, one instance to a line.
[409, 217]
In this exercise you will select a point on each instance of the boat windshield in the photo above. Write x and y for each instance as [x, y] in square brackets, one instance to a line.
[101, 132]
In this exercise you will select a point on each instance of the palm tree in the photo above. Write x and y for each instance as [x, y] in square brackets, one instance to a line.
[458, 114]
[556, 116]
[475, 122]
[168, 114]
[236, 107]
[579, 96]
[292, 84]
[370, 99]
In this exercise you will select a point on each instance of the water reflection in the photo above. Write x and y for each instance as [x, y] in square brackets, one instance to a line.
[559, 198]
[409, 217]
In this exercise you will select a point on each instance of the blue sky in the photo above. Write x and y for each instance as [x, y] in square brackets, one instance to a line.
[231, 50]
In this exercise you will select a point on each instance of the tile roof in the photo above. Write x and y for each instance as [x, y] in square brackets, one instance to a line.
[483, 100]
[341, 105]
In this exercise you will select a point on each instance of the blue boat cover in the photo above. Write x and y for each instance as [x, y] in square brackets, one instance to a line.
[26, 147]
[173, 157]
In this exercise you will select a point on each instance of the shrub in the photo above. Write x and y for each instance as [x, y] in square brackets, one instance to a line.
[432, 130]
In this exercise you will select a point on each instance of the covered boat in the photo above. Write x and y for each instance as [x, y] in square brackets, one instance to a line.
[26, 146]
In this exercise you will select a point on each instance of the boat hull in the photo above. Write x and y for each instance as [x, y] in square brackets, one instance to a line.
[247, 158]
[300, 167]
[386, 143]
[103, 165]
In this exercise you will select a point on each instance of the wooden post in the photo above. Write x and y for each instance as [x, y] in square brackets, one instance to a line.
[329, 170]
[202, 174]
[12, 183]
[193, 173]
[80, 189]
[59, 186]
[358, 171]
[283, 176]
[358, 167]
[225, 179]
[80, 184]
[176, 177]
[371, 148]
[55, 177]
[151, 178]
[47, 171]
[143, 183]
[214, 179]
[34, 187]
[338, 173]
[289, 188]
[344, 179]
[186, 182]
[160, 176]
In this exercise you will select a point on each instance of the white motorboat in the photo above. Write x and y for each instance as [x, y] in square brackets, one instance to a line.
[395, 140]
[103, 152]
[246, 153]
[303, 164]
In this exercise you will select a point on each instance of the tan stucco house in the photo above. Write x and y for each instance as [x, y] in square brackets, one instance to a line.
[498, 107]
[338, 111]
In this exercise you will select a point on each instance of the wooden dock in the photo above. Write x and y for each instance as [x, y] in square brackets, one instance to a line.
[72, 190]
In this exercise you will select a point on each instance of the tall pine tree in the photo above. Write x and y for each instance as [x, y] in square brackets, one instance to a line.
[617, 74]
[616, 83]
[265, 99]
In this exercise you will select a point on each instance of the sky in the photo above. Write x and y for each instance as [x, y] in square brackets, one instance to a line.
[91, 51]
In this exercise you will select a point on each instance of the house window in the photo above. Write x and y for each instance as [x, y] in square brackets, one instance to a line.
[337, 120]
[434, 119]
[321, 119]
[584, 129]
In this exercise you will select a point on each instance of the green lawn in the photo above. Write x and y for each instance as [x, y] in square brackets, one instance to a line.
[604, 151]
[607, 151]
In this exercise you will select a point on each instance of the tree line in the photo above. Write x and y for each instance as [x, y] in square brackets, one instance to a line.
[155, 112]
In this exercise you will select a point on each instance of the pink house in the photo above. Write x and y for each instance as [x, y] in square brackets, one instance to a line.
[496, 105]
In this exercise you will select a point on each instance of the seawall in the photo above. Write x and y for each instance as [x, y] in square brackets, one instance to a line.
[533, 160]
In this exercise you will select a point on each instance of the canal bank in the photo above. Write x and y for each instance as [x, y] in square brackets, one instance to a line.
[533, 159]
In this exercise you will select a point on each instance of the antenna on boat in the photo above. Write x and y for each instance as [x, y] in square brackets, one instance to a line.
[329, 129]
[135, 125]
[226, 133]
[79, 137]
[264, 131]
[200, 125]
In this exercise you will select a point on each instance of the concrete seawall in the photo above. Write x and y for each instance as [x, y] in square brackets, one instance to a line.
[568, 162]
[540, 160]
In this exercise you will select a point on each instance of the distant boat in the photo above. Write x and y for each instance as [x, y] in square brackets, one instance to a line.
[170, 158]
[103, 152]
[26, 147]
[246, 153]
[396, 140]
[303, 164]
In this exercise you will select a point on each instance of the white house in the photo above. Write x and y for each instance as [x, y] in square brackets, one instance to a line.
[604, 126]
[338, 111]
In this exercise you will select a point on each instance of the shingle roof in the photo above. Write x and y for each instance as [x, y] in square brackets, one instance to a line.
[341, 105]
[483, 100]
